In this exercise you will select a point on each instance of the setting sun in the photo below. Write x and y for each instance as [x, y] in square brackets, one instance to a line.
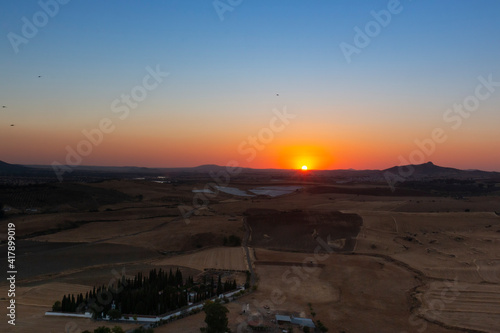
[304, 167]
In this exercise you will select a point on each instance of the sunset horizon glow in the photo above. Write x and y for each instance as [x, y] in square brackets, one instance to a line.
[179, 87]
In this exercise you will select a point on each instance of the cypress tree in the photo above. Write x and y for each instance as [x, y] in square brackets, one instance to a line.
[171, 278]
[64, 304]
[178, 278]
[219, 286]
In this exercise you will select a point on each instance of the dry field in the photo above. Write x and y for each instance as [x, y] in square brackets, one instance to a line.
[461, 304]
[230, 258]
[179, 236]
[55, 223]
[298, 230]
[352, 293]
[104, 231]
[456, 255]
[47, 260]
[408, 263]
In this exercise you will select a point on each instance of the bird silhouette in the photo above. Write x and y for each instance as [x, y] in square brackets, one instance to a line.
[4, 106]
[11, 125]
[39, 76]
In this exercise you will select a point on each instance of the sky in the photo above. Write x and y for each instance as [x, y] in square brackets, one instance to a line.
[260, 83]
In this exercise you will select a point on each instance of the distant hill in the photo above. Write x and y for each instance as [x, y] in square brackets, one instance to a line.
[425, 171]
[432, 171]
[207, 168]
[215, 168]
[12, 169]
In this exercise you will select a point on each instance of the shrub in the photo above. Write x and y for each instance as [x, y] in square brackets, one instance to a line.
[114, 314]
[57, 306]
[232, 241]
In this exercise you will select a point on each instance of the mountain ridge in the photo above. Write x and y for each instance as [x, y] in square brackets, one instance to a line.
[410, 171]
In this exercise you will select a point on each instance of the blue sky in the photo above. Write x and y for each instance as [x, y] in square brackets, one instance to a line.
[224, 76]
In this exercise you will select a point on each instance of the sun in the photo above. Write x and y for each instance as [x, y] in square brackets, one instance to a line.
[304, 167]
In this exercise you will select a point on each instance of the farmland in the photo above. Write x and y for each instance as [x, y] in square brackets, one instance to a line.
[357, 258]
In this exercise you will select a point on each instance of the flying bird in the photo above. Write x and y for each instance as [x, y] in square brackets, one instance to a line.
[11, 125]
[277, 94]
[39, 76]
[4, 106]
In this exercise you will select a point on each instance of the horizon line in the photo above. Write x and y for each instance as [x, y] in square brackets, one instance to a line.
[222, 166]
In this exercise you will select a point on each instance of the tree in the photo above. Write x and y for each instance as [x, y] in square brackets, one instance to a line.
[57, 306]
[102, 329]
[143, 330]
[219, 286]
[114, 314]
[216, 317]
[117, 329]
[321, 326]
[234, 240]
[231, 241]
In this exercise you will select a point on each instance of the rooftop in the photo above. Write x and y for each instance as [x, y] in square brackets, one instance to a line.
[306, 322]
